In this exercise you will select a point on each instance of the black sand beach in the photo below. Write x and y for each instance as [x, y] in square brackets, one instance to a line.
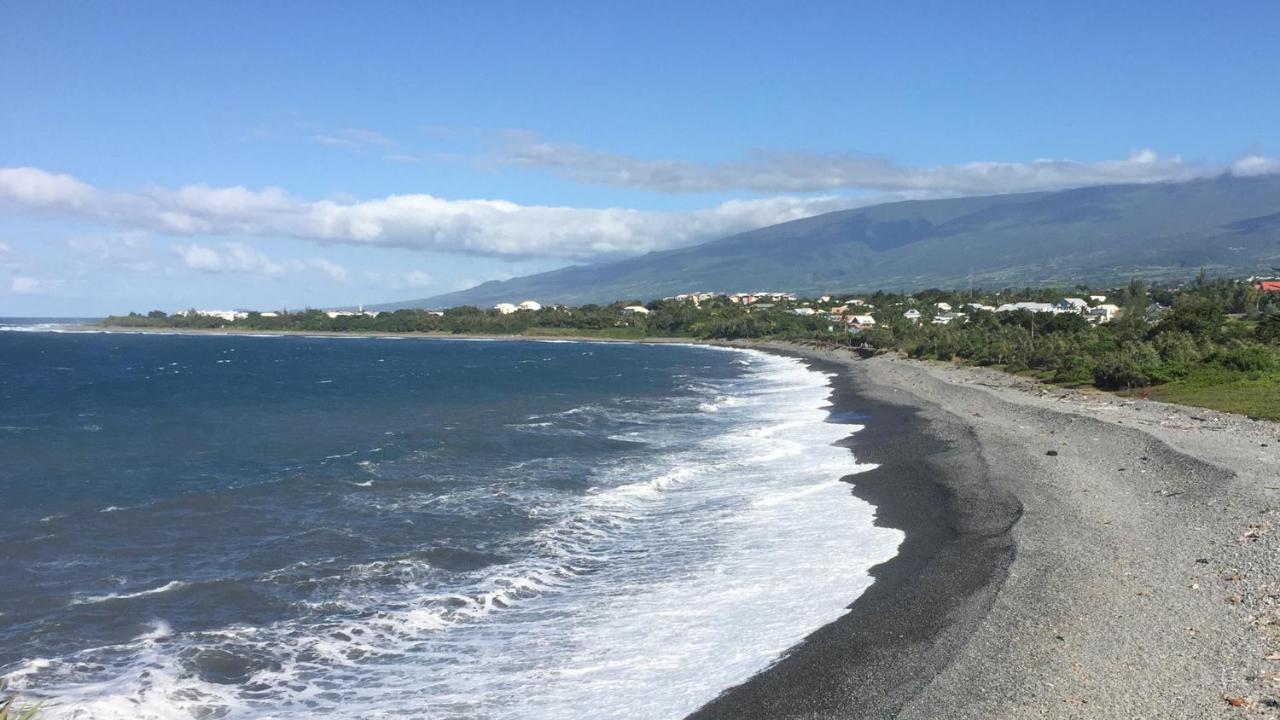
[931, 482]
[1066, 556]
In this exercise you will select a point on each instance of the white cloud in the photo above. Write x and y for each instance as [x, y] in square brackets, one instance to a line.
[1256, 165]
[235, 257]
[503, 229]
[773, 172]
[130, 250]
[353, 137]
[496, 228]
[409, 280]
[25, 285]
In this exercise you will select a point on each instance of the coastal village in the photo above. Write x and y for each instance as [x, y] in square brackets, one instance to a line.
[851, 312]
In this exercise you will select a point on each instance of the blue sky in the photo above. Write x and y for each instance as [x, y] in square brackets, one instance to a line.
[238, 154]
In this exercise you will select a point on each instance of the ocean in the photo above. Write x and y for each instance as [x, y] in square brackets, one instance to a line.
[292, 527]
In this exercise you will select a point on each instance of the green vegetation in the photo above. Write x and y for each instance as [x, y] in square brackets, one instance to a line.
[1212, 343]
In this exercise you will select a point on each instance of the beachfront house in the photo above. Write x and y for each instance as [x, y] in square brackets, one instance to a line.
[861, 322]
[1035, 307]
[505, 308]
[950, 317]
[1103, 313]
[1075, 305]
[228, 315]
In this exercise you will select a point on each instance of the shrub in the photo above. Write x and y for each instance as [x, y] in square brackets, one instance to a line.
[1247, 358]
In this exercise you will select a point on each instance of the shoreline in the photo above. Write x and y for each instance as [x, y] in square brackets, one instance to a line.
[901, 631]
[1067, 555]
[242, 332]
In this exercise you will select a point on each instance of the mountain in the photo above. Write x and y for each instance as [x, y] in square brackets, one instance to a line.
[1101, 235]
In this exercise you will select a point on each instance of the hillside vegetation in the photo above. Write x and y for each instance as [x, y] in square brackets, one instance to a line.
[1212, 343]
[1100, 236]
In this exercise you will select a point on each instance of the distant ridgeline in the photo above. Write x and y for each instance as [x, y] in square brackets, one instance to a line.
[1099, 236]
[1211, 342]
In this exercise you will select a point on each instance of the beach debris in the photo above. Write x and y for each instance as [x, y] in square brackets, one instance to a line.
[1052, 453]
[1203, 561]
[1234, 701]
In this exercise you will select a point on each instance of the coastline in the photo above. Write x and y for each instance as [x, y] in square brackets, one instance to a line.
[242, 332]
[1066, 555]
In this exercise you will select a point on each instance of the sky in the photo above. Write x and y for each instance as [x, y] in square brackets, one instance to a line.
[158, 155]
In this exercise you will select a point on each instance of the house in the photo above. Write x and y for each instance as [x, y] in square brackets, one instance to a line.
[228, 315]
[1075, 305]
[944, 307]
[974, 307]
[505, 308]
[635, 310]
[1035, 307]
[948, 318]
[1268, 286]
[862, 322]
[530, 305]
[1104, 313]
[804, 311]
[913, 315]
[1097, 299]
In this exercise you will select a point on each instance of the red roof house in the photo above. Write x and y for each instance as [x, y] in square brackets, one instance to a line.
[1269, 285]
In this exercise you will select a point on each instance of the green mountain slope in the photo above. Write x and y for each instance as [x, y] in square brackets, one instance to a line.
[1096, 235]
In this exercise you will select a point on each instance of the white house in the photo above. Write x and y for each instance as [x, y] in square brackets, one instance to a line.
[948, 318]
[530, 305]
[1075, 305]
[803, 311]
[862, 321]
[505, 308]
[1034, 307]
[913, 315]
[944, 307]
[1104, 313]
[227, 315]
[1097, 299]
[635, 310]
[980, 306]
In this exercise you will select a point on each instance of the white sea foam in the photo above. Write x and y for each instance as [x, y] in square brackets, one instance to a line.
[173, 585]
[673, 579]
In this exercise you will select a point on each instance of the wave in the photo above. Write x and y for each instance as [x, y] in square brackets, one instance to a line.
[95, 599]
[624, 600]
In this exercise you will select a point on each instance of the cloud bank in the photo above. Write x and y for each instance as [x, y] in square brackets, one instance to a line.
[776, 172]
[507, 230]
[495, 228]
[234, 257]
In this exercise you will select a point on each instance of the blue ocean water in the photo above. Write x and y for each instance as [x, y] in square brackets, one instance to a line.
[230, 526]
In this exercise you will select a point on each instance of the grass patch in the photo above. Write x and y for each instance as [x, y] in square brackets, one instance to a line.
[1256, 394]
